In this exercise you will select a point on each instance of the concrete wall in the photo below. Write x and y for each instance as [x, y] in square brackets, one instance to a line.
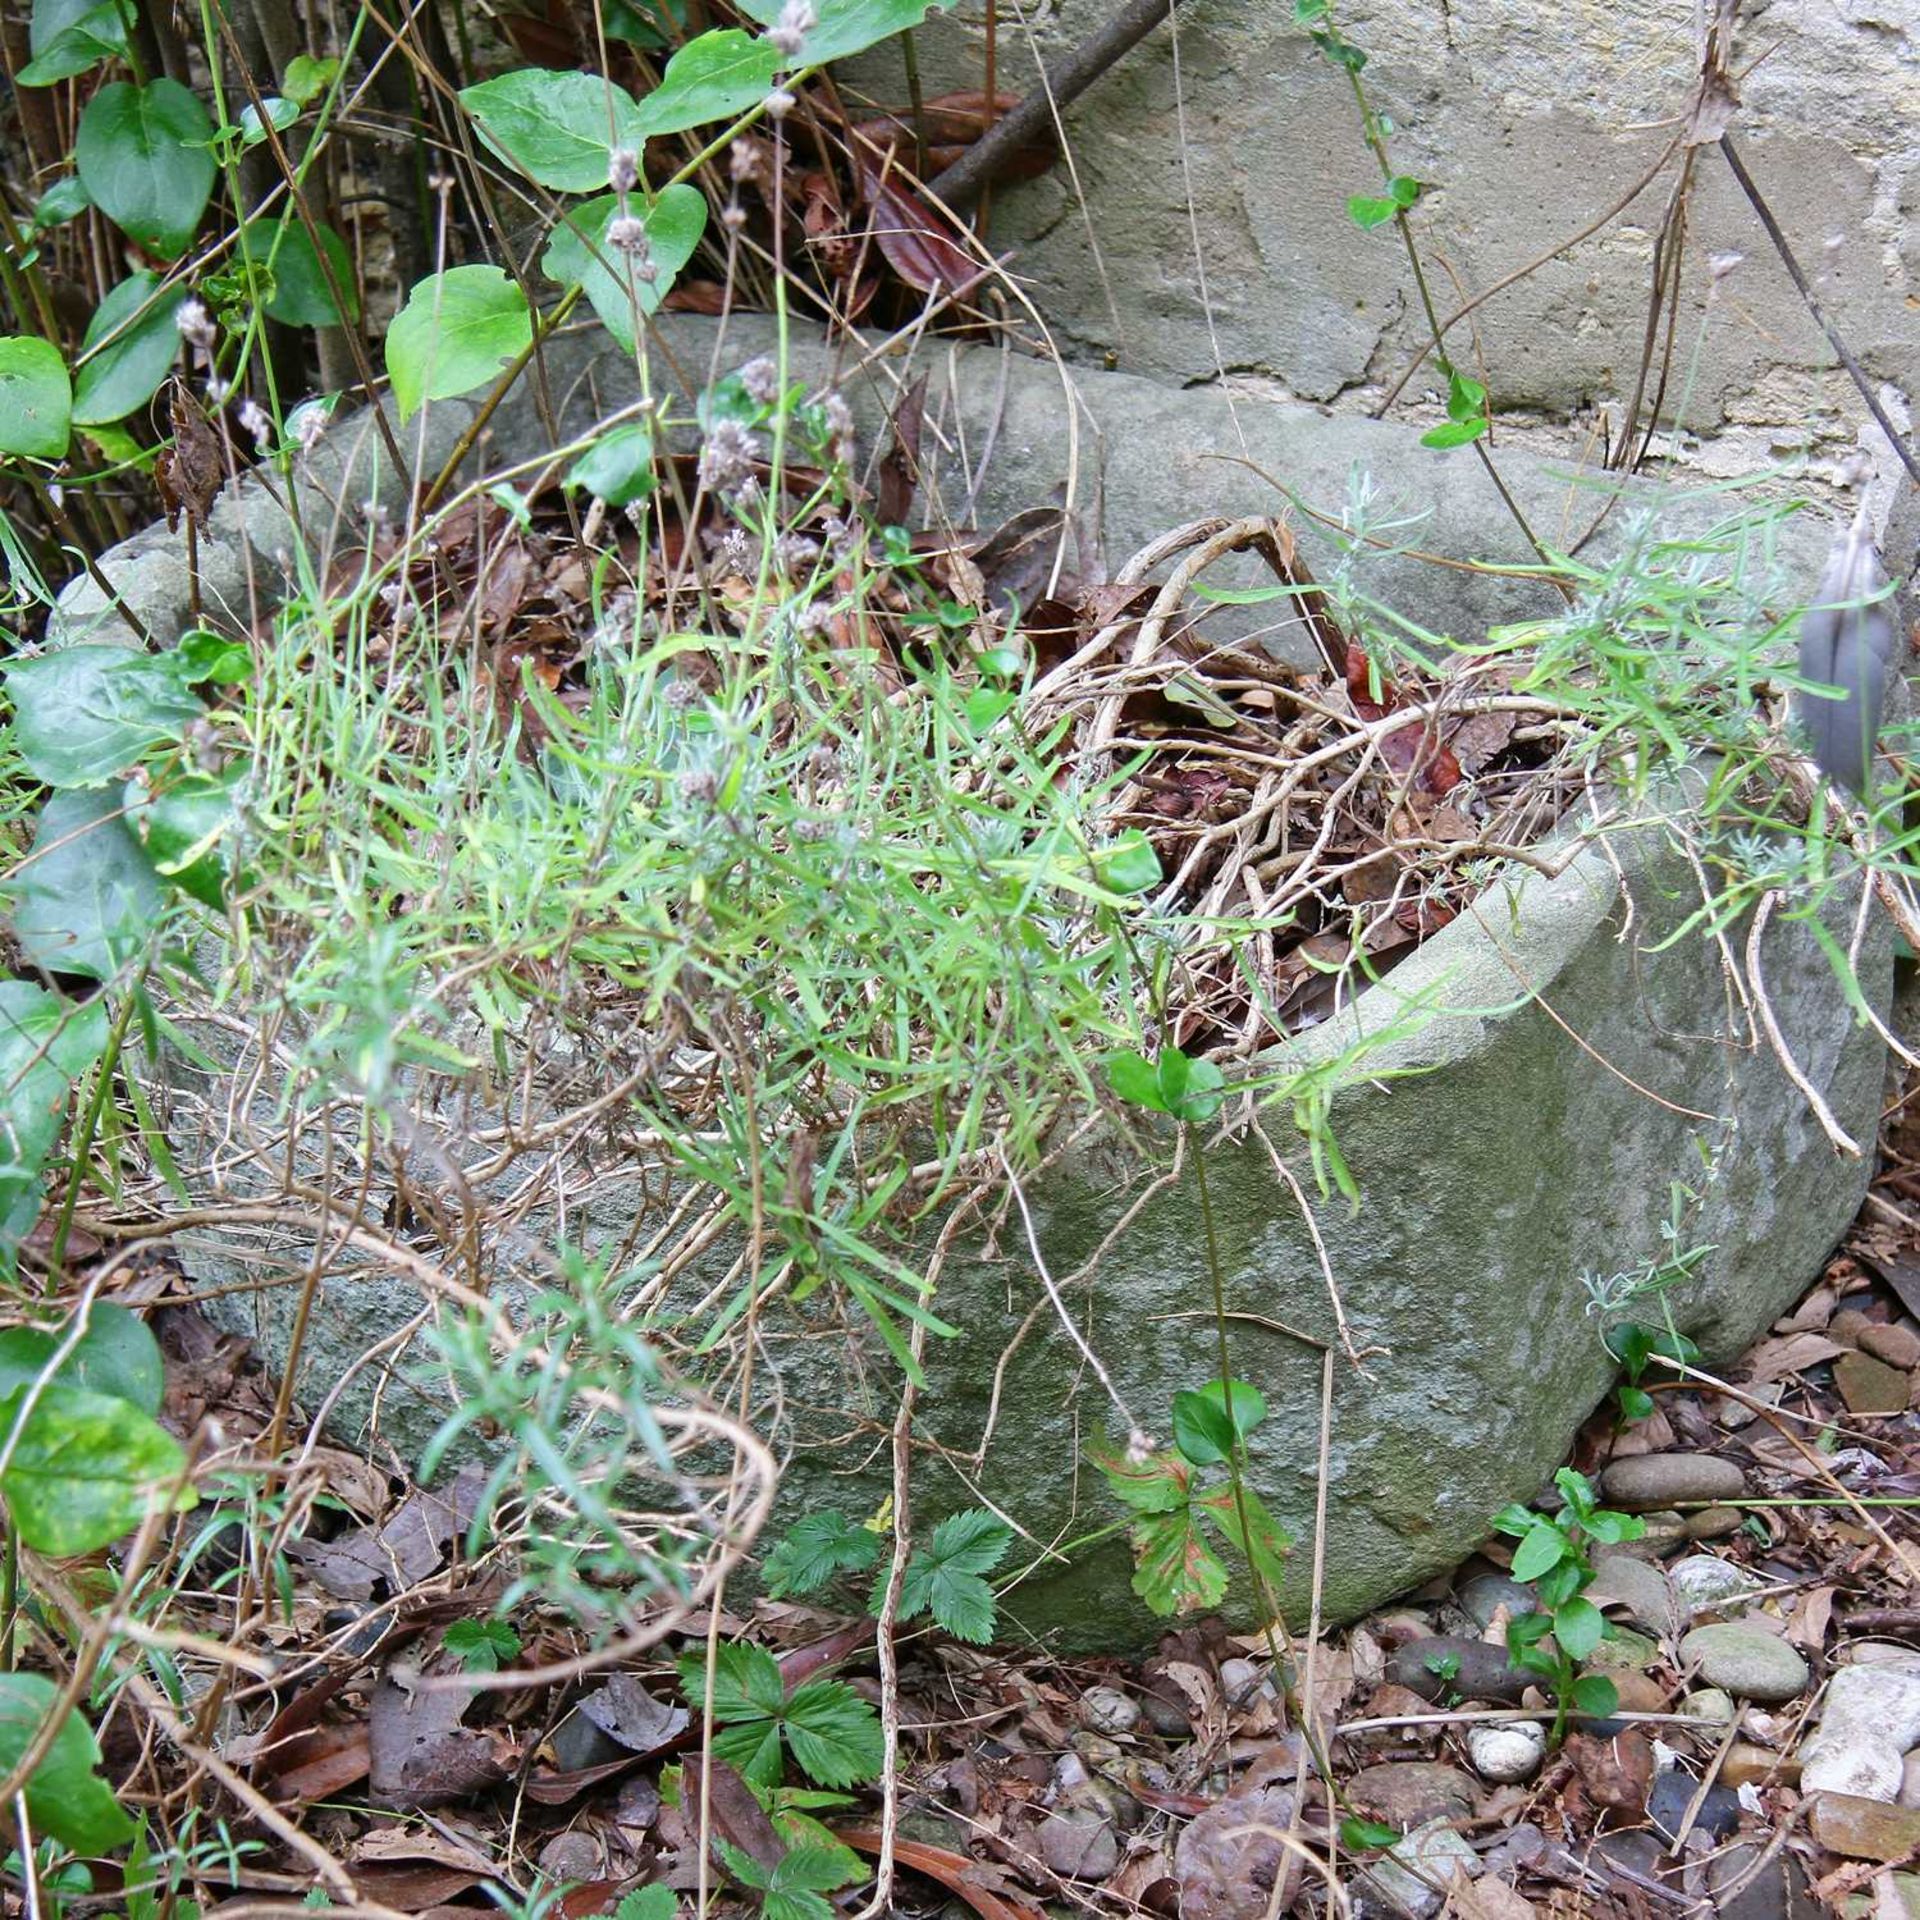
[1526, 119]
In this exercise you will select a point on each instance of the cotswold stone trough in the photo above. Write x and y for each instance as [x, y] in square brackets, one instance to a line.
[1567, 1066]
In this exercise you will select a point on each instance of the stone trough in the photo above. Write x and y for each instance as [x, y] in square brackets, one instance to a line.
[1543, 1071]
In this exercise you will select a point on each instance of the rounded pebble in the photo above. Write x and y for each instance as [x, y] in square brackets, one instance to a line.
[1714, 1523]
[1108, 1710]
[1078, 1844]
[1241, 1681]
[1703, 1581]
[1507, 1751]
[1746, 1662]
[1712, 1704]
[1485, 1594]
[1166, 1718]
[1647, 1481]
[1897, 1346]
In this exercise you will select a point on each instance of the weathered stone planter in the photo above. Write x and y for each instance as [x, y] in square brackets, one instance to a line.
[1548, 1071]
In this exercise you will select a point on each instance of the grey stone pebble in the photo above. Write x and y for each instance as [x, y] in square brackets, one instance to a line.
[1776, 1891]
[1639, 1586]
[1108, 1710]
[1447, 1666]
[1672, 1794]
[1714, 1523]
[1868, 1720]
[1079, 1844]
[1712, 1704]
[1703, 1581]
[1624, 1651]
[1242, 1681]
[571, 1856]
[1168, 1720]
[1483, 1596]
[1430, 1854]
[1507, 1750]
[1748, 1663]
[1646, 1482]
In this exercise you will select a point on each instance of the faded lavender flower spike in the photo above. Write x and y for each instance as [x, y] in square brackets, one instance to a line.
[761, 378]
[789, 33]
[727, 459]
[629, 236]
[623, 169]
[254, 421]
[195, 323]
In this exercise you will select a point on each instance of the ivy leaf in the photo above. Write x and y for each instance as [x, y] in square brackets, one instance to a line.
[36, 399]
[85, 1468]
[557, 128]
[66, 1798]
[299, 294]
[86, 898]
[69, 37]
[718, 76]
[46, 1043]
[1176, 1570]
[846, 27]
[816, 1548]
[579, 253]
[130, 348]
[83, 715]
[458, 330]
[618, 467]
[117, 1356]
[145, 155]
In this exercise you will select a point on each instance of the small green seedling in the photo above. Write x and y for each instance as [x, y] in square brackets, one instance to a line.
[1552, 1554]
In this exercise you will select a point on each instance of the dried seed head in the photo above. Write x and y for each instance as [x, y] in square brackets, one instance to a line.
[728, 457]
[733, 555]
[761, 378]
[795, 553]
[779, 103]
[254, 421]
[700, 785]
[789, 33]
[746, 163]
[623, 169]
[195, 323]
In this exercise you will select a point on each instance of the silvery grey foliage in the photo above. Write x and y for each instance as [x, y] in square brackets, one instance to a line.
[1845, 640]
